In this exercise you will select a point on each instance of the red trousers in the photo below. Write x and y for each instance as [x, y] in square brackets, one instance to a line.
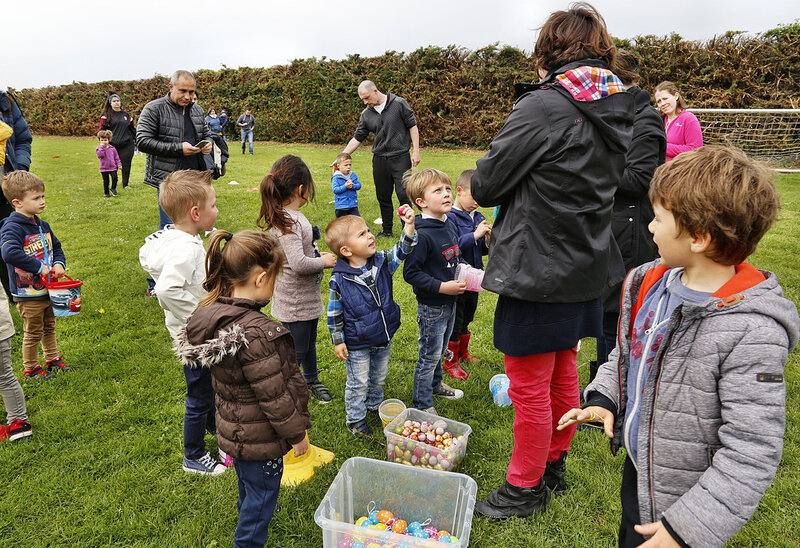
[543, 387]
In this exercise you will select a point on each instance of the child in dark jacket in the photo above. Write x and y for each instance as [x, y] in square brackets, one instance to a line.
[262, 398]
[473, 233]
[109, 161]
[362, 314]
[694, 390]
[32, 253]
[345, 185]
[431, 271]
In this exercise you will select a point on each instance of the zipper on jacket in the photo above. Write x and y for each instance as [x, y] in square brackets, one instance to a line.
[377, 301]
[650, 481]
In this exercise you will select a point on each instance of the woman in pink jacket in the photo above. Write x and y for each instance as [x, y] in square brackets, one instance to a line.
[682, 127]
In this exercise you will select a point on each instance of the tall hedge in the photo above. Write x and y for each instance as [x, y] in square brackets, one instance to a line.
[460, 97]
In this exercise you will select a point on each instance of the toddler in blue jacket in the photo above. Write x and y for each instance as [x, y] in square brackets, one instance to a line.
[345, 185]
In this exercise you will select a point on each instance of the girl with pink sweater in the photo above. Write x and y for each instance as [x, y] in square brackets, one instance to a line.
[682, 127]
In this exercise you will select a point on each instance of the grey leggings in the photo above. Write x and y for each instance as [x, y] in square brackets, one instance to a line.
[13, 398]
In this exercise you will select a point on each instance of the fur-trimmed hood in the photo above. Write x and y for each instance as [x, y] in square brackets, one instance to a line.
[214, 332]
[211, 352]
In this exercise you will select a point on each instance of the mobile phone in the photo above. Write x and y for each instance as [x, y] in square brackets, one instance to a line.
[203, 143]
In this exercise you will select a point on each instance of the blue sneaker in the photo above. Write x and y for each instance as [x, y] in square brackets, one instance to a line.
[205, 466]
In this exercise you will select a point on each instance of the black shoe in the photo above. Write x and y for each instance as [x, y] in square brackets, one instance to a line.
[360, 427]
[555, 475]
[384, 234]
[114, 192]
[106, 195]
[319, 391]
[510, 501]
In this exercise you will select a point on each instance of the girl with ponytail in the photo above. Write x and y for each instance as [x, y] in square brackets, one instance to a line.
[262, 400]
[297, 301]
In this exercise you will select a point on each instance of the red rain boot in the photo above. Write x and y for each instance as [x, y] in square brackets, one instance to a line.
[463, 349]
[451, 366]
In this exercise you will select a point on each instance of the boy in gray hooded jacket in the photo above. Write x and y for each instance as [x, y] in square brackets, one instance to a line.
[694, 389]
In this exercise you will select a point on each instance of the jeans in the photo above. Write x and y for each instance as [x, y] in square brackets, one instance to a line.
[366, 375]
[347, 211]
[435, 325]
[106, 176]
[199, 414]
[259, 484]
[38, 325]
[466, 305]
[163, 218]
[304, 334]
[247, 135]
[13, 398]
[543, 387]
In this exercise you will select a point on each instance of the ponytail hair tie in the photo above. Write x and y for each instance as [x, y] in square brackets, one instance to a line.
[271, 174]
[228, 237]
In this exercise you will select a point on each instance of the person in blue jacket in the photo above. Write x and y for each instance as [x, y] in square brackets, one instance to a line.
[214, 122]
[345, 184]
[18, 157]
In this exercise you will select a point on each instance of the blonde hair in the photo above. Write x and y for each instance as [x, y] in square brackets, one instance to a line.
[338, 232]
[18, 183]
[229, 265]
[105, 134]
[182, 190]
[718, 191]
[341, 158]
[416, 183]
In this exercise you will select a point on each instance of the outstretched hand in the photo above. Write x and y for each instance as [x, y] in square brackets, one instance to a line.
[593, 413]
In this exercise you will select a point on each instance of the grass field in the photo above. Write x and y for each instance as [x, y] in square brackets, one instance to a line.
[103, 465]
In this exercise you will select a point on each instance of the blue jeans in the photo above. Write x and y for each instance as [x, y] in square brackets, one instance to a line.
[163, 218]
[435, 325]
[199, 414]
[247, 135]
[366, 375]
[259, 484]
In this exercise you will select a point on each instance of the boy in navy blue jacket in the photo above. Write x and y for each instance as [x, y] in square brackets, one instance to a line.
[431, 271]
[362, 314]
[32, 252]
[345, 185]
[473, 233]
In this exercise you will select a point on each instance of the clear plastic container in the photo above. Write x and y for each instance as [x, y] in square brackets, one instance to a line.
[444, 499]
[403, 450]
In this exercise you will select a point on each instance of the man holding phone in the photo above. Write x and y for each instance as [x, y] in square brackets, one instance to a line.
[172, 131]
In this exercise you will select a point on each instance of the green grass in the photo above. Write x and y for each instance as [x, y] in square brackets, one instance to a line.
[103, 466]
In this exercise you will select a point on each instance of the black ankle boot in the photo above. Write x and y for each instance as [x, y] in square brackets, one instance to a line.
[510, 501]
[555, 475]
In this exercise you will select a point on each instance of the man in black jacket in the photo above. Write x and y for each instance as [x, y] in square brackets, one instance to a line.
[395, 128]
[168, 130]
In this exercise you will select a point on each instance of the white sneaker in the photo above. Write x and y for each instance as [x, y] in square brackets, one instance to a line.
[431, 411]
[444, 391]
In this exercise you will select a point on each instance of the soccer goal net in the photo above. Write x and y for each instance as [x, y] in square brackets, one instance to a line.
[770, 135]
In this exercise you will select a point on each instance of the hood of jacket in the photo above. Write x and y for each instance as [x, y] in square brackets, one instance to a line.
[212, 333]
[611, 122]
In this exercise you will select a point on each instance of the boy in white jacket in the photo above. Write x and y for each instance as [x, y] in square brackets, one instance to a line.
[175, 258]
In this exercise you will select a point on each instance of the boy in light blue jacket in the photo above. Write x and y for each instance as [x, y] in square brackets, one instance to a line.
[345, 184]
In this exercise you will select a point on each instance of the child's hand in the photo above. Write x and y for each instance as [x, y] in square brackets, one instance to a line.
[300, 448]
[57, 271]
[481, 230]
[406, 213]
[341, 351]
[349, 184]
[453, 287]
[44, 271]
[660, 535]
[328, 259]
[593, 413]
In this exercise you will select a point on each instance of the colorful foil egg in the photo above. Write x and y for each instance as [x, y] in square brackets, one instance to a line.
[384, 516]
[432, 532]
[345, 543]
[399, 526]
[359, 544]
[361, 520]
[414, 526]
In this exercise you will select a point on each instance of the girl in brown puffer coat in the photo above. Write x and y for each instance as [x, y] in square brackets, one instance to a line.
[261, 396]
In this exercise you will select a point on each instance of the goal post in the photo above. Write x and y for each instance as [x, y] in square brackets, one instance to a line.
[770, 135]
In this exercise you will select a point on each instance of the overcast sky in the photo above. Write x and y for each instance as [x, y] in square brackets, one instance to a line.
[47, 42]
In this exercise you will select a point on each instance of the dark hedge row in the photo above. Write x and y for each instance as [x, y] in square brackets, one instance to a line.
[460, 97]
